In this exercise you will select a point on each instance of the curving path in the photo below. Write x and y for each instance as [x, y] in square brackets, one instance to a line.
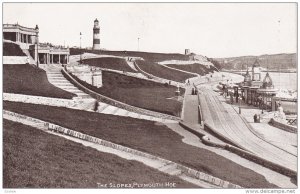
[229, 124]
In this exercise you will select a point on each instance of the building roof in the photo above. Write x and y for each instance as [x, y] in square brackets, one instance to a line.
[96, 20]
[9, 27]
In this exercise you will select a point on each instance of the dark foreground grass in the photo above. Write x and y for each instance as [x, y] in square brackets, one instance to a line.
[163, 72]
[12, 49]
[35, 159]
[145, 136]
[148, 56]
[109, 63]
[30, 80]
[138, 92]
[194, 68]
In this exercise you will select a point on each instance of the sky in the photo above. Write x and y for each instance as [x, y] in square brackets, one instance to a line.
[209, 29]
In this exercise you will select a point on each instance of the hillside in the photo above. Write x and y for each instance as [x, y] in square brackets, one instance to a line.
[149, 56]
[138, 92]
[163, 72]
[109, 63]
[12, 49]
[35, 159]
[30, 80]
[286, 61]
[147, 136]
[194, 68]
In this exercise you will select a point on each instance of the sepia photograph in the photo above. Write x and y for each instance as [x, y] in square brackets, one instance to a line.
[135, 95]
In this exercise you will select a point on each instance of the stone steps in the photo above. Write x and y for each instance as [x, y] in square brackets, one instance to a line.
[56, 78]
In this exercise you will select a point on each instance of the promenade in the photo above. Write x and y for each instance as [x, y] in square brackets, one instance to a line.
[226, 122]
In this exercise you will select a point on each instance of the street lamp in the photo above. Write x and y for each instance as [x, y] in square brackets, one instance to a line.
[80, 50]
[240, 105]
[37, 44]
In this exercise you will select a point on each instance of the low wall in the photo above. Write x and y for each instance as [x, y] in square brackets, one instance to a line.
[261, 161]
[14, 60]
[116, 103]
[39, 100]
[283, 126]
[65, 131]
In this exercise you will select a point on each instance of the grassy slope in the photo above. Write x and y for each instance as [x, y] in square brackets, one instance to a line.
[194, 68]
[163, 72]
[154, 57]
[11, 49]
[26, 79]
[35, 159]
[110, 63]
[138, 92]
[145, 136]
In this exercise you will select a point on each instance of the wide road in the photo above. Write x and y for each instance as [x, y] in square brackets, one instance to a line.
[225, 120]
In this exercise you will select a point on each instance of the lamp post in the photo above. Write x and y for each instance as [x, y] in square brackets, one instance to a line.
[37, 45]
[138, 44]
[80, 50]
[240, 105]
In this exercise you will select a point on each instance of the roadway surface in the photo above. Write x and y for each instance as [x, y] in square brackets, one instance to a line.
[225, 120]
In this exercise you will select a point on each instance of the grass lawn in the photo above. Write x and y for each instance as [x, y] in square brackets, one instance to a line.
[35, 159]
[11, 49]
[109, 63]
[145, 136]
[30, 80]
[163, 72]
[194, 68]
[148, 56]
[138, 92]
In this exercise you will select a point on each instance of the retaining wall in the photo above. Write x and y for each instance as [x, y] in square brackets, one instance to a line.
[283, 126]
[116, 103]
[39, 100]
[65, 131]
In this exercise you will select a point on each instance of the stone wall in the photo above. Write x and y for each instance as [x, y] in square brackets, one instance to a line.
[39, 100]
[283, 126]
[65, 131]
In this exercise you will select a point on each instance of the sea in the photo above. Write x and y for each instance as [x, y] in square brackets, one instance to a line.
[283, 80]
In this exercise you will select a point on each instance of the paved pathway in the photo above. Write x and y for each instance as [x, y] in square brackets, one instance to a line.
[278, 137]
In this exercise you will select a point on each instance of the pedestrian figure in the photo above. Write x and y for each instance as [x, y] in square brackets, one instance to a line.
[193, 91]
[27, 61]
[255, 118]
[188, 82]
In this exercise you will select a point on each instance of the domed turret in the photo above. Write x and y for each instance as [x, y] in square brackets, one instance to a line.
[256, 74]
[247, 76]
[267, 82]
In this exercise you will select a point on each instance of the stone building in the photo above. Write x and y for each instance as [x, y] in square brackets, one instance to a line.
[28, 40]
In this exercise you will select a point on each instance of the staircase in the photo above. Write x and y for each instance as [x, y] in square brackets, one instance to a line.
[31, 60]
[56, 78]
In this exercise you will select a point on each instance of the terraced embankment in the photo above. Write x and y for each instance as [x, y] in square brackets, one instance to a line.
[150, 137]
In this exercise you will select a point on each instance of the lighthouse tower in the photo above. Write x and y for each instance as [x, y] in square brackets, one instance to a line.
[96, 35]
